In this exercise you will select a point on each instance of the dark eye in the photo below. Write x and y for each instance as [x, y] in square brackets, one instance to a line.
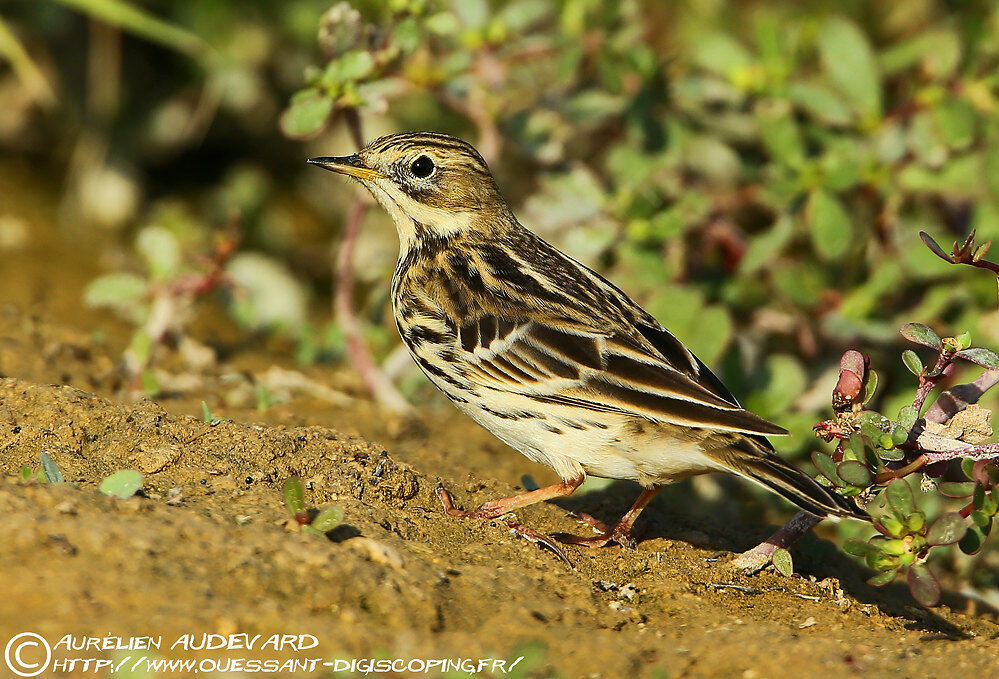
[422, 167]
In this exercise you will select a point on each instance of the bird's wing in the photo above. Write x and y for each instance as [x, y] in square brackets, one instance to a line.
[652, 376]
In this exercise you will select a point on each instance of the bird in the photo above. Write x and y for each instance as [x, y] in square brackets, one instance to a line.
[548, 355]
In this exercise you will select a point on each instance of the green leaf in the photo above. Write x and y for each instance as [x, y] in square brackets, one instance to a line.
[856, 547]
[968, 467]
[786, 381]
[947, 529]
[892, 526]
[406, 35]
[765, 247]
[957, 489]
[961, 176]
[849, 62]
[827, 467]
[855, 473]
[123, 293]
[907, 416]
[294, 495]
[981, 519]
[328, 519]
[150, 383]
[721, 54]
[829, 225]
[306, 114]
[160, 249]
[821, 103]
[980, 356]
[900, 497]
[990, 503]
[783, 562]
[890, 454]
[352, 66]
[137, 21]
[779, 132]
[51, 469]
[921, 334]
[924, 585]
[122, 484]
[206, 414]
[871, 385]
[937, 51]
[979, 496]
[882, 579]
[974, 539]
[472, 13]
[912, 361]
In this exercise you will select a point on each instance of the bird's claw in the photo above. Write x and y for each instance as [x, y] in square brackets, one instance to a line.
[623, 539]
[539, 538]
[486, 511]
[585, 519]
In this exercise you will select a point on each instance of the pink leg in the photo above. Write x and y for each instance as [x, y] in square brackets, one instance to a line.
[495, 508]
[620, 532]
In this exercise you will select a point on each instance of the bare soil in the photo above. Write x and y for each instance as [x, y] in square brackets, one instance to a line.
[207, 545]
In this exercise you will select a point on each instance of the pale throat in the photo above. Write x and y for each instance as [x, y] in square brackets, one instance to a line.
[412, 217]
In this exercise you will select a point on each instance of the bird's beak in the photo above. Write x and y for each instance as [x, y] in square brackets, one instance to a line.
[350, 165]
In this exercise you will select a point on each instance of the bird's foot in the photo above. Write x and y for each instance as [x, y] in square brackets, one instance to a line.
[596, 524]
[621, 537]
[540, 539]
[489, 510]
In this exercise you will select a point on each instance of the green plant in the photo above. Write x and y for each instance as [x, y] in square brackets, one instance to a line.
[312, 521]
[122, 484]
[159, 301]
[756, 176]
[875, 453]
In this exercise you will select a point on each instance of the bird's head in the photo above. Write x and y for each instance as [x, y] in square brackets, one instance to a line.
[433, 185]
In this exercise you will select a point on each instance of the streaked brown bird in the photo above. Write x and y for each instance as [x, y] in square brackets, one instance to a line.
[546, 354]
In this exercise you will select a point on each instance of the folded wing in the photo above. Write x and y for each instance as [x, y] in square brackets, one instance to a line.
[649, 374]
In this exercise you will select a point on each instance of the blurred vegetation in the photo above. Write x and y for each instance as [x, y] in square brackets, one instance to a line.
[755, 173]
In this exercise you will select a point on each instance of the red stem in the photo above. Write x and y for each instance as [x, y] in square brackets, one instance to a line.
[343, 298]
[927, 383]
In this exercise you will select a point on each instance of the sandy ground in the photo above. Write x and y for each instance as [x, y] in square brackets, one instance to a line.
[207, 547]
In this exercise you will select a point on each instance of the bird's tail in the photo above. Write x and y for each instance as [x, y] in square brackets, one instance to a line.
[753, 458]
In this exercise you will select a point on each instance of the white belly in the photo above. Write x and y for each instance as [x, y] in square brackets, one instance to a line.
[597, 444]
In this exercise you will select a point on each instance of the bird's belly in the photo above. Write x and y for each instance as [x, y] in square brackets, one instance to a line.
[597, 444]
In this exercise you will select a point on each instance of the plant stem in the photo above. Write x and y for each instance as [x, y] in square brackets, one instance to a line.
[757, 558]
[988, 451]
[374, 379]
[927, 383]
[959, 397]
[890, 474]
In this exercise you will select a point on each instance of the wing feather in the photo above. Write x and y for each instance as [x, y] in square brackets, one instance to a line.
[604, 373]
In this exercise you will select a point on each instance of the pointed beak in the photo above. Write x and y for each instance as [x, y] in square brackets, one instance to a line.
[350, 165]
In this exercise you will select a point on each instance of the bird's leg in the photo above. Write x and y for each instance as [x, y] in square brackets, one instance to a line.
[619, 532]
[495, 508]
[593, 522]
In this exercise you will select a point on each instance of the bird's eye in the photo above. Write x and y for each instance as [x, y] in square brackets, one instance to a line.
[422, 167]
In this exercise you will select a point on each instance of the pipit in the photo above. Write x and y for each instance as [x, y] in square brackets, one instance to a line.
[548, 355]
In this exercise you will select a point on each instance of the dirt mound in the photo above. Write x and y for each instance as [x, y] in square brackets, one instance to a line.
[207, 548]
